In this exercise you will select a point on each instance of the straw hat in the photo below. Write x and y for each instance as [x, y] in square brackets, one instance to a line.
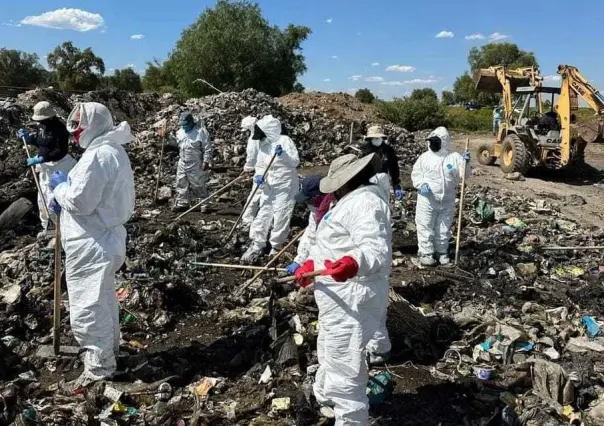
[343, 169]
[42, 111]
[375, 132]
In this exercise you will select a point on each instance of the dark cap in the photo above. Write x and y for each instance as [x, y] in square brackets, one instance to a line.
[310, 188]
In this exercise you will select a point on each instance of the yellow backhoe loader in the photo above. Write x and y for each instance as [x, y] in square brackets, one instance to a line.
[528, 137]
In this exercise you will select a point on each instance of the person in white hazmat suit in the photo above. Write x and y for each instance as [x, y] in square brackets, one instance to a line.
[277, 191]
[52, 141]
[319, 204]
[251, 151]
[435, 175]
[95, 200]
[195, 157]
[353, 247]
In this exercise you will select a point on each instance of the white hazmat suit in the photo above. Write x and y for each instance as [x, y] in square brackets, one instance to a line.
[435, 211]
[96, 202]
[46, 170]
[351, 312]
[279, 188]
[251, 151]
[195, 149]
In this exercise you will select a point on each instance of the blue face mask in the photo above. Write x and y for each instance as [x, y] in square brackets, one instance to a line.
[187, 127]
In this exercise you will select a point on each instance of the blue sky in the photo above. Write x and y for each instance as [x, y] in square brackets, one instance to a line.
[353, 42]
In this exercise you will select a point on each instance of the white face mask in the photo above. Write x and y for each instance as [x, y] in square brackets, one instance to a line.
[377, 141]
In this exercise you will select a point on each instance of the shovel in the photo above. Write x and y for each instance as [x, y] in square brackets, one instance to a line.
[33, 172]
[161, 159]
[56, 349]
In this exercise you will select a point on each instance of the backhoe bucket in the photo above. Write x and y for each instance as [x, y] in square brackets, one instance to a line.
[486, 81]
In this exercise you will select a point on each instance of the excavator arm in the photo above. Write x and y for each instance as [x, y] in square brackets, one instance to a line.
[573, 86]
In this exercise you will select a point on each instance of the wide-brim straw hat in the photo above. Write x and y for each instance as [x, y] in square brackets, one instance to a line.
[375, 132]
[43, 111]
[343, 169]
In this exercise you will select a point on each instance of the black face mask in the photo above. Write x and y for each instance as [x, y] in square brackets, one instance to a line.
[435, 144]
[258, 134]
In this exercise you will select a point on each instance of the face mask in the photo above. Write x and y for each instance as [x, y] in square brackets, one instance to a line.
[434, 144]
[258, 134]
[76, 135]
[187, 127]
[377, 141]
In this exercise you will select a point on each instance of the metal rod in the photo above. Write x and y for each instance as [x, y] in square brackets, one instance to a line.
[161, 159]
[307, 275]
[228, 185]
[203, 81]
[556, 248]
[461, 200]
[249, 200]
[270, 262]
[351, 130]
[33, 172]
[249, 267]
[56, 320]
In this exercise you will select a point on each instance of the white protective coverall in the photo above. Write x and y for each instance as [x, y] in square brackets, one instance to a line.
[46, 170]
[434, 213]
[96, 203]
[251, 152]
[195, 148]
[351, 312]
[280, 187]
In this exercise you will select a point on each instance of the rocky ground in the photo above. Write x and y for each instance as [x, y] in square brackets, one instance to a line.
[512, 313]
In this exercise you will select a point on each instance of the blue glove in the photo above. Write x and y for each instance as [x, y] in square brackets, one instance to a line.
[259, 179]
[278, 150]
[57, 178]
[55, 206]
[466, 156]
[291, 269]
[398, 193]
[424, 189]
[34, 160]
[23, 134]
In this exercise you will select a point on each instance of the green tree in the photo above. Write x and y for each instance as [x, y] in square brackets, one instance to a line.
[508, 54]
[126, 79]
[20, 69]
[447, 98]
[425, 93]
[365, 96]
[464, 88]
[233, 47]
[76, 69]
[413, 113]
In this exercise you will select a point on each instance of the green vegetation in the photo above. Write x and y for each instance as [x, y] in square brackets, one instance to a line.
[365, 96]
[419, 111]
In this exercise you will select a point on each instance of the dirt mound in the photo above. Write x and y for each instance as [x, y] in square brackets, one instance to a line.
[336, 106]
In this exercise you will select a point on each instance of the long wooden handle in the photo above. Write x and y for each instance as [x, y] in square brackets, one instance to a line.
[33, 172]
[229, 266]
[306, 275]
[56, 321]
[228, 185]
[161, 159]
[461, 200]
[249, 200]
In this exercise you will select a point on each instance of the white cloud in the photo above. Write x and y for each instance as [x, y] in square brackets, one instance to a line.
[334, 57]
[352, 89]
[356, 77]
[137, 36]
[498, 36]
[329, 21]
[130, 66]
[445, 34]
[401, 68]
[375, 64]
[410, 82]
[551, 78]
[11, 23]
[66, 19]
[476, 36]
[327, 80]
[374, 79]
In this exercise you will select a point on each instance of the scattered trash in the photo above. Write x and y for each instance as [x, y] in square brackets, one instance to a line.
[281, 404]
[379, 387]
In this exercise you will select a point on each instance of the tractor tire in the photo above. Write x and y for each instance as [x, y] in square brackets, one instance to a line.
[484, 153]
[514, 155]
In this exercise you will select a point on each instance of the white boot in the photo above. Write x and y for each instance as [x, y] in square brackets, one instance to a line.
[252, 254]
[426, 260]
[444, 259]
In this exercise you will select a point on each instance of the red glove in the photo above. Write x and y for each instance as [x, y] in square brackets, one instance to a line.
[342, 269]
[307, 267]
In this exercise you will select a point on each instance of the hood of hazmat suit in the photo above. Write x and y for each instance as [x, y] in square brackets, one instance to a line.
[251, 150]
[442, 172]
[350, 313]
[284, 166]
[96, 202]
